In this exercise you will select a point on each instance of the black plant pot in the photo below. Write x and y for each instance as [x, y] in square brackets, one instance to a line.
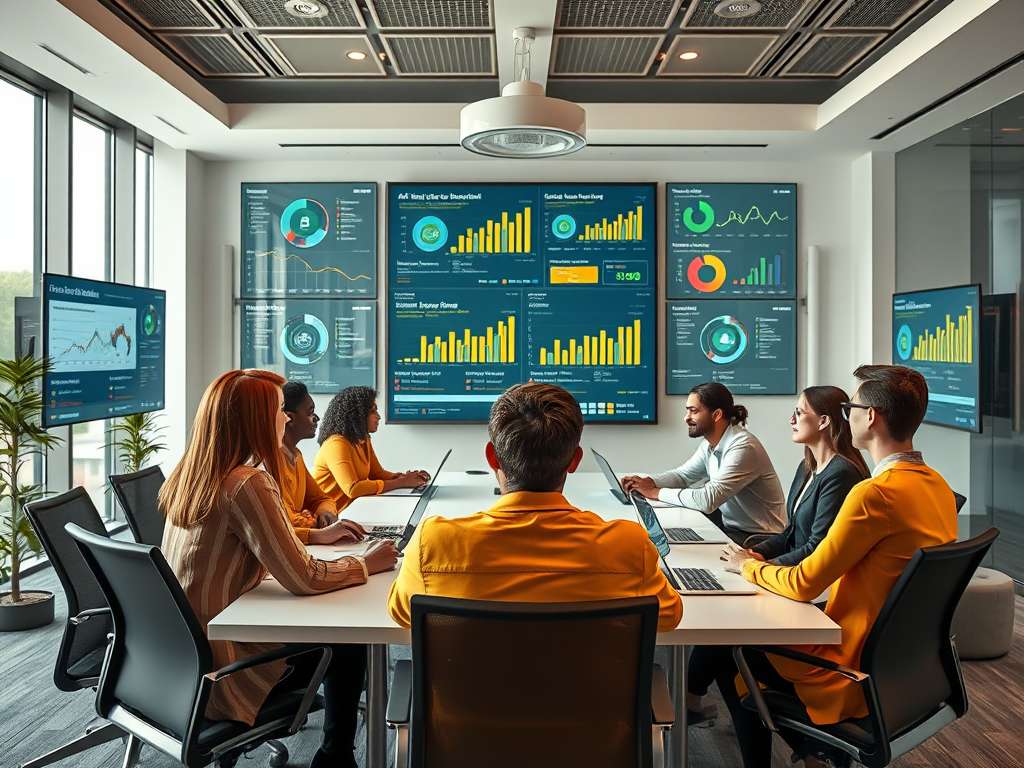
[26, 615]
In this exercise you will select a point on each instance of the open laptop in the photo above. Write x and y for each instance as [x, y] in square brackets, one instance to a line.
[613, 480]
[420, 490]
[400, 534]
[688, 581]
[649, 519]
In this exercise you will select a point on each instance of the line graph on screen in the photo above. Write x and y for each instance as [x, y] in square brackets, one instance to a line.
[92, 337]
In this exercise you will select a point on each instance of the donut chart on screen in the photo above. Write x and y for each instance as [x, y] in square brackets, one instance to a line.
[304, 339]
[724, 340]
[305, 222]
[693, 273]
[905, 342]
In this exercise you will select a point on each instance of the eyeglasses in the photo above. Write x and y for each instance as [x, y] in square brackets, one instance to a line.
[847, 407]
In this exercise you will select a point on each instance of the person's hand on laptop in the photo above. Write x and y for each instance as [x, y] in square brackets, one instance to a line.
[381, 557]
[644, 485]
[735, 556]
[356, 528]
[335, 533]
[421, 476]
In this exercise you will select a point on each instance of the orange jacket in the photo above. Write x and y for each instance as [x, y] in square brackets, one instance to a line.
[346, 472]
[302, 497]
[880, 526]
[532, 547]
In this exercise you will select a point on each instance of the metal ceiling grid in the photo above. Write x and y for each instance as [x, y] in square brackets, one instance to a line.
[830, 55]
[272, 14]
[874, 14]
[169, 14]
[616, 14]
[774, 14]
[213, 55]
[608, 56]
[432, 14]
[442, 55]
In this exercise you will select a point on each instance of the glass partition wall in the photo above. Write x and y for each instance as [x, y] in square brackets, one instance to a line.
[960, 212]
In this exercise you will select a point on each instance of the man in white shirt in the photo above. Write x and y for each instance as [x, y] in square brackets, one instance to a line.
[730, 478]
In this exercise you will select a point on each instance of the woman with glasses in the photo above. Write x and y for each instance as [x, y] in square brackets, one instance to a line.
[830, 469]
[346, 466]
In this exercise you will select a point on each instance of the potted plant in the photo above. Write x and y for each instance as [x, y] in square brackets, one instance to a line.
[21, 436]
[135, 440]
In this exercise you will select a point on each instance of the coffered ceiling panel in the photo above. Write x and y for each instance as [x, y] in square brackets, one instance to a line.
[169, 14]
[297, 14]
[616, 14]
[327, 55]
[442, 55]
[874, 14]
[830, 54]
[769, 14]
[604, 56]
[717, 55]
[432, 14]
[214, 55]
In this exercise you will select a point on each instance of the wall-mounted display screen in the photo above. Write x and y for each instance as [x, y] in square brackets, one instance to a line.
[495, 284]
[316, 239]
[748, 345]
[731, 241]
[326, 344]
[937, 333]
[106, 344]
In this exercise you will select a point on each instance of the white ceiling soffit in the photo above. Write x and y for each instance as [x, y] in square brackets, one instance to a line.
[615, 14]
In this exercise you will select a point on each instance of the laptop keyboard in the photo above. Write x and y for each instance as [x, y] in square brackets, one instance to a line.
[683, 534]
[697, 579]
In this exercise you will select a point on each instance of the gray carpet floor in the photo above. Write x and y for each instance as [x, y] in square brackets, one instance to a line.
[35, 717]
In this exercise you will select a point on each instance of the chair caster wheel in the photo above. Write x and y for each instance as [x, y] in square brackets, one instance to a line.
[278, 761]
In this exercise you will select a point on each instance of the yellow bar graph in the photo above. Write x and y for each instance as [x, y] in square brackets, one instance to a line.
[951, 343]
[495, 345]
[509, 235]
[625, 226]
[619, 347]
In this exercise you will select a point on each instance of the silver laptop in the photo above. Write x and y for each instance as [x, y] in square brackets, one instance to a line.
[420, 490]
[649, 520]
[613, 481]
[400, 534]
[689, 581]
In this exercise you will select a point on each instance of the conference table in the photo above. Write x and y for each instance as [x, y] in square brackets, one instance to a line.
[269, 613]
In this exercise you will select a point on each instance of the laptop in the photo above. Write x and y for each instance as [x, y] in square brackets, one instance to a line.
[419, 490]
[649, 519]
[400, 534]
[613, 481]
[689, 581]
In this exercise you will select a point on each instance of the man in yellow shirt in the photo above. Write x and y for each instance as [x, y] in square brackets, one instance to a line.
[903, 506]
[533, 545]
[311, 511]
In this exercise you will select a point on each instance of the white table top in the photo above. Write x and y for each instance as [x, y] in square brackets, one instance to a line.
[269, 613]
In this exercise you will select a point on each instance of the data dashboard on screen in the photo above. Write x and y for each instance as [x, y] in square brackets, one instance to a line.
[937, 333]
[317, 240]
[731, 241]
[749, 345]
[105, 342]
[490, 285]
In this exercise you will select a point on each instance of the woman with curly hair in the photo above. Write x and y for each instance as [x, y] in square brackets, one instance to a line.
[346, 466]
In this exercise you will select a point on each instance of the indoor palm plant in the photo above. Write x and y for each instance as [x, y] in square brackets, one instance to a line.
[136, 440]
[21, 437]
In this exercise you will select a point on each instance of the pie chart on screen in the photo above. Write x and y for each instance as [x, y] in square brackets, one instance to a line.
[706, 264]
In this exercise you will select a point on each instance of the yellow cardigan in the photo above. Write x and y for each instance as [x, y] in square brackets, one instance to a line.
[532, 547]
[302, 497]
[882, 523]
[345, 471]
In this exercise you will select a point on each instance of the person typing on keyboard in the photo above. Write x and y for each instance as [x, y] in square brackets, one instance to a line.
[532, 545]
[730, 478]
[346, 466]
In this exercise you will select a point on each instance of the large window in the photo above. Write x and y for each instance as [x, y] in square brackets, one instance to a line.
[91, 144]
[20, 263]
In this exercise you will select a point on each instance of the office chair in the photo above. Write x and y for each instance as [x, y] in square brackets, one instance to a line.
[158, 673]
[910, 670]
[80, 657]
[137, 494]
[539, 684]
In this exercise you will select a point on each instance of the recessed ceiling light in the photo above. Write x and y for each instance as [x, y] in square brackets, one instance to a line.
[304, 9]
[688, 55]
[356, 55]
[1010, 130]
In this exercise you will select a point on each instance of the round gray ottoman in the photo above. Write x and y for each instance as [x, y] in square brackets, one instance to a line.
[983, 622]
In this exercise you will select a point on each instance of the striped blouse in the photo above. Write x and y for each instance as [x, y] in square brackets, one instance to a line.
[228, 553]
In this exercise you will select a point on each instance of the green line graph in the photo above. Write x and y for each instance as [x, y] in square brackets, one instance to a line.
[753, 214]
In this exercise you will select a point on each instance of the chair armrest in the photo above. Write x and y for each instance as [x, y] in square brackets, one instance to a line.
[400, 700]
[287, 652]
[661, 701]
[86, 615]
[815, 661]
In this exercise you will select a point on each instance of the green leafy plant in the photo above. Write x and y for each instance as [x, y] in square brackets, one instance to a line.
[21, 436]
[136, 440]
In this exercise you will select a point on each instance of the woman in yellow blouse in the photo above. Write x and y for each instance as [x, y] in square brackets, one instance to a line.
[346, 466]
[903, 506]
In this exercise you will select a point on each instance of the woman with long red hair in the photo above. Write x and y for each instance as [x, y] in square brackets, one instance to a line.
[227, 528]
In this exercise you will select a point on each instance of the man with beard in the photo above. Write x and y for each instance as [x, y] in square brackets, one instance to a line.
[730, 478]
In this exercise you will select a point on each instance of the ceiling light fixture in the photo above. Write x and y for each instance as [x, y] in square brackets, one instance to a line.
[737, 9]
[304, 9]
[356, 55]
[523, 122]
[688, 55]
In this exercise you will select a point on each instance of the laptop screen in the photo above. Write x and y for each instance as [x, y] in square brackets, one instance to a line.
[650, 521]
[602, 462]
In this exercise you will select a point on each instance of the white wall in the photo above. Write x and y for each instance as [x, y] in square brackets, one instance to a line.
[824, 219]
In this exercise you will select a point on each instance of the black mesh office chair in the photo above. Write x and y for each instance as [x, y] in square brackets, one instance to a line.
[85, 634]
[137, 494]
[158, 671]
[513, 684]
[910, 671]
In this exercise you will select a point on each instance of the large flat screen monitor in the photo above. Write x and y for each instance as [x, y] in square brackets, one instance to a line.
[106, 346]
[490, 285]
[747, 344]
[309, 240]
[937, 333]
[729, 241]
